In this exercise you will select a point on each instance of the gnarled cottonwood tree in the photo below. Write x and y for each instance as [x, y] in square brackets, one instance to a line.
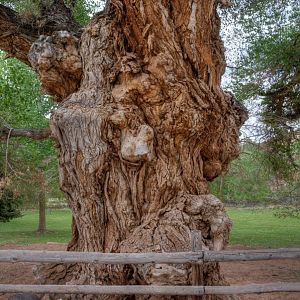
[142, 126]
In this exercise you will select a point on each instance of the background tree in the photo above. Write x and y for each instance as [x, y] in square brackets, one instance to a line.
[265, 73]
[251, 181]
[262, 42]
[23, 162]
[248, 181]
[9, 204]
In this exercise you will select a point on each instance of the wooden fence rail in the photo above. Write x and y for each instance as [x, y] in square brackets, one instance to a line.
[151, 289]
[196, 258]
[144, 258]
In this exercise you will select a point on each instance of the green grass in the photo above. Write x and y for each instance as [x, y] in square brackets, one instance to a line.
[259, 227]
[24, 230]
[252, 227]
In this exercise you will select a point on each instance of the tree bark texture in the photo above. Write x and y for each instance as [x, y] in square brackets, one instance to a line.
[141, 129]
[19, 32]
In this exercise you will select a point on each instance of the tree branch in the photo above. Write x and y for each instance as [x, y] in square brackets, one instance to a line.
[225, 3]
[33, 133]
[18, 33]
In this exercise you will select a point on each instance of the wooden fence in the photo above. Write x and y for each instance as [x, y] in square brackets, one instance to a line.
[196, 258]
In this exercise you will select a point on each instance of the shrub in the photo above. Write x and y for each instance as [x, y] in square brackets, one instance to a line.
[9, 205]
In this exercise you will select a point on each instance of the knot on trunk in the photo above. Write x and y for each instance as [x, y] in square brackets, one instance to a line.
[132, 138]
[57, 60]
[137, 145]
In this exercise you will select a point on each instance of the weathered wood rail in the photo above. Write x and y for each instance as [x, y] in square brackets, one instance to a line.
[152, 289]
[144, 258]
[196, 258]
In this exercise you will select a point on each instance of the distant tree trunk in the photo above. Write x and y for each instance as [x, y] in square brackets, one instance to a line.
[142, 127]
[221, 186]
[42, 203]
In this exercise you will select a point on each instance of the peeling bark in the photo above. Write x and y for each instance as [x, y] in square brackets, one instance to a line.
[139, 140]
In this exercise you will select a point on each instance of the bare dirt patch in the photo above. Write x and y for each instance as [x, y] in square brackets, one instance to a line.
[236, 273]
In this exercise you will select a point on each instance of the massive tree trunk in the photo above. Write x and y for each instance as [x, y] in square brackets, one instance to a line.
[142, 126]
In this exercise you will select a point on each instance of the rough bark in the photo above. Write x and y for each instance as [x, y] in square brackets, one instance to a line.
[56, 59]
[139, 140]
[17, 33]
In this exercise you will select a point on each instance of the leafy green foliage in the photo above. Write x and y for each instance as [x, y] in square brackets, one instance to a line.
[22, 105]
[251, 181]
[248, 179]
[20, 100]
[83, 10]
[9, 205]
[23, 6]
[288, 211]
[265, 72]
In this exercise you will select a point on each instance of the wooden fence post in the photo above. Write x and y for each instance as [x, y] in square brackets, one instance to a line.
[197, 268]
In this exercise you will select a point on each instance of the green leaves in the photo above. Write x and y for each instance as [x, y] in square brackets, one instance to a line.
[85, 9]
[23, 105]
[9, 205]
[267, 74]
[27, 7]
[247, 180]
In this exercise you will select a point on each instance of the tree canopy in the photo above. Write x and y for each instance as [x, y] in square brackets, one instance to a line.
[264, 68]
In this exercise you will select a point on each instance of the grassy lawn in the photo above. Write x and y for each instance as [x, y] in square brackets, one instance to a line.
[259, 227]
[23, 230]
[252, 227]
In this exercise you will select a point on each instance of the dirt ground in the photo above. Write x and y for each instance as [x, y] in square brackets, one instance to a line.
[236, 273]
